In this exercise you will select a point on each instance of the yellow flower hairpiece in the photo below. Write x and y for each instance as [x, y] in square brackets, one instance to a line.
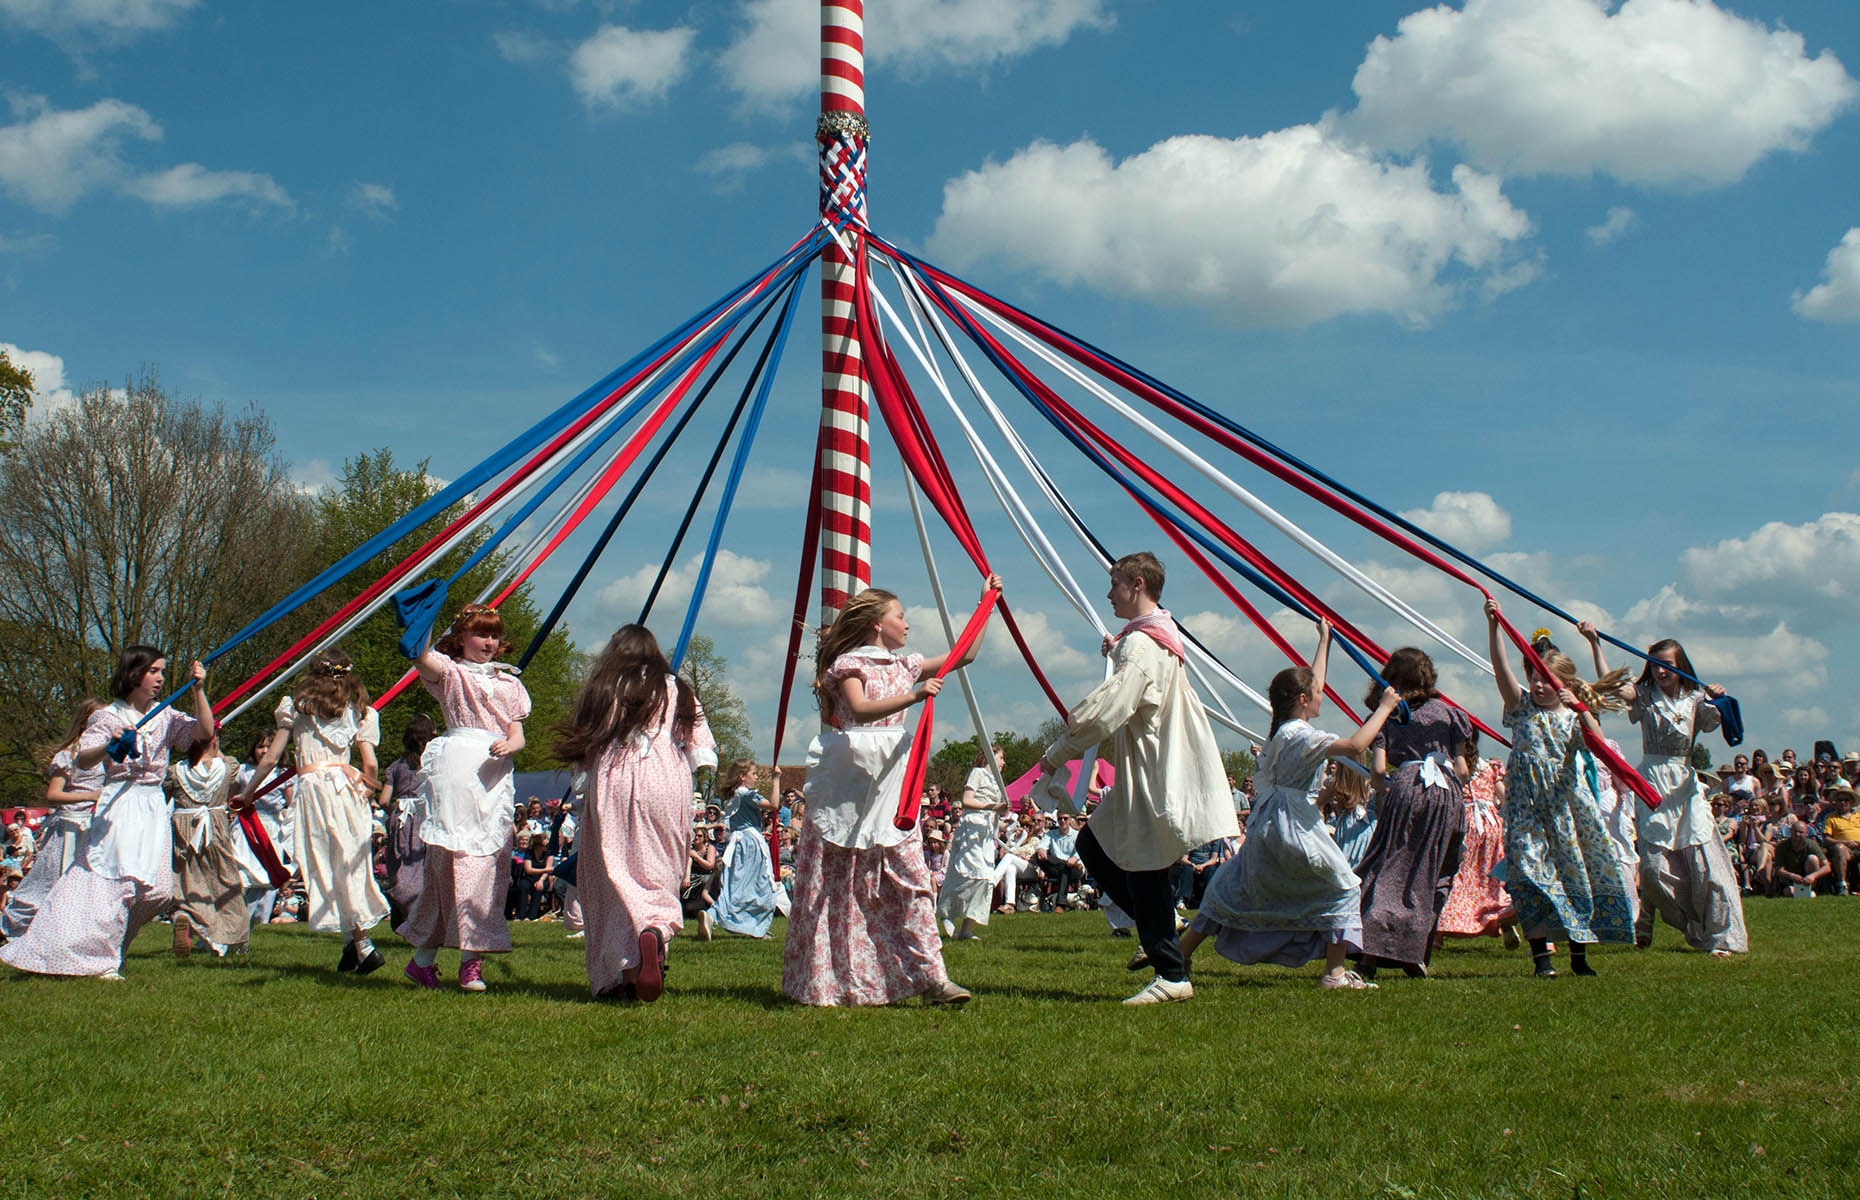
[1539, 635]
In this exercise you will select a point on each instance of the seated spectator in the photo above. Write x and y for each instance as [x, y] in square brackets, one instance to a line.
[695, 897]
[1738, 781]
[1057, 864]
[538, 878]
[1016, 843]
[1801, 863]
[1850, 769]
[1198, 867]
[1757, 848]
[1841, 835]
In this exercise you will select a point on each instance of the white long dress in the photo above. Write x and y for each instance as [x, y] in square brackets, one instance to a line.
[125, 875]
[1685, 871]
[61, 843]
[334, 825]
[969, 882]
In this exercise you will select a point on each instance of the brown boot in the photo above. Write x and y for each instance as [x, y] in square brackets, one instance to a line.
[183, 937]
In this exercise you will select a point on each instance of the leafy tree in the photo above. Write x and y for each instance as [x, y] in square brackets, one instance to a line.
[374, 492]
[705, 670]
[950, 766]
[1239, 764]
[134, 516]
[16, 388]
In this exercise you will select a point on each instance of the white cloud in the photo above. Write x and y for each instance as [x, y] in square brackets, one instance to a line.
[1663, 92]
[109, 20]
[735, 596]
[729, 166]
[49, 158]
[1837, 296]
[51, 391]
[373, 200]
[1473, 521]
[314, 477]
[775, 54]
[1285, 229]
[1619, 221]
[524, 47]
[339, 241]
[1810, 571]
[545, 358]
[32, 243]
[190, 185]
[620, 67]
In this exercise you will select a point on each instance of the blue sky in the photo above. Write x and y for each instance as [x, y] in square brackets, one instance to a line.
[1581, 283]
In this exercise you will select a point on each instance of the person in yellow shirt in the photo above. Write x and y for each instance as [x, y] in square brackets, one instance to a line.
[1841, 832]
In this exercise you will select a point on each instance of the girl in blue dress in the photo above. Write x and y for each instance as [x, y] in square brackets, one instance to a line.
[1560, 864]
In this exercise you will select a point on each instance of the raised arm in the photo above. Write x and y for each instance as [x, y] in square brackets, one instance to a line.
[1320, 662]
[430, 663]
[1588, 631]
[203, 707]
[1356, 743]
[934, 663]
[1509, 693]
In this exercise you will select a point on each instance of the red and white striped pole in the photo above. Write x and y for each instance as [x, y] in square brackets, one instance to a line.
[845, 435]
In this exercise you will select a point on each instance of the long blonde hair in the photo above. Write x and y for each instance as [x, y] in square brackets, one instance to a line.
[850, 630]
[1604, 695]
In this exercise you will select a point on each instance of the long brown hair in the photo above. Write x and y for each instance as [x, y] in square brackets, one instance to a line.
[329, 685]
[1283, 693]
[81, 721]
[1604, 695]
[1409, 671]
[1679, 660]
[850, 630]
[624, 693]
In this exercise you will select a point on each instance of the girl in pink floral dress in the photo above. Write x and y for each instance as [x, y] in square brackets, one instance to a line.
[862, 927]
[1478, 905]
[467, 825]
[638, 732]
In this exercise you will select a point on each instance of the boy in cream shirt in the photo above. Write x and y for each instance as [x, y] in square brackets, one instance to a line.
[1171, 793]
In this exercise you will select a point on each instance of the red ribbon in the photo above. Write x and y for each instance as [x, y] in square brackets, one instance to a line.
[1137, 387]
[259, 840]
[911, 800]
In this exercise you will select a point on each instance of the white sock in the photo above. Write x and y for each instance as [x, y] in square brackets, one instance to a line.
[364, 947]
[426, 956]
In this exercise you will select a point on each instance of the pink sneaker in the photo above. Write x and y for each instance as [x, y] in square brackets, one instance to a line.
[471, 975]
[651, 982]
[426, 977]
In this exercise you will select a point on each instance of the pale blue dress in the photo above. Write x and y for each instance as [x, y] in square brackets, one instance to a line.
[745, 886]
[1289, 892]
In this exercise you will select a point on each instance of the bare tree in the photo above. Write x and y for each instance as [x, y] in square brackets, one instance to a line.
[133, 516]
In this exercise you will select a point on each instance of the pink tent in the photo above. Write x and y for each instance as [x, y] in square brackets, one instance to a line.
[1017, 791]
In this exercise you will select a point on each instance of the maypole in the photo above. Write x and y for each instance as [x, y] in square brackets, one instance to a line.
[845, 454]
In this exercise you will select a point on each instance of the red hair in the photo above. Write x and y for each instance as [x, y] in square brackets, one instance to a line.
[475, 620]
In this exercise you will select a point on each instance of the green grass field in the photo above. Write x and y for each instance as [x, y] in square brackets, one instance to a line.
[1669, 1075]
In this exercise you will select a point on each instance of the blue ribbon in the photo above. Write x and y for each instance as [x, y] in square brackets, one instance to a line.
[423, 601]
[1290, 459]
[1142, 496]
[764, 371]
[613, 524]
[491, 467]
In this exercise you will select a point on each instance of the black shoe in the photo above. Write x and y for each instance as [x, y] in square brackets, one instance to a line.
[349, 959]
[373, 962]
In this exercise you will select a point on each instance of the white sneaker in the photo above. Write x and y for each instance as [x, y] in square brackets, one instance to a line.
[1163, 991]
[949, 929]
[113, 975]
